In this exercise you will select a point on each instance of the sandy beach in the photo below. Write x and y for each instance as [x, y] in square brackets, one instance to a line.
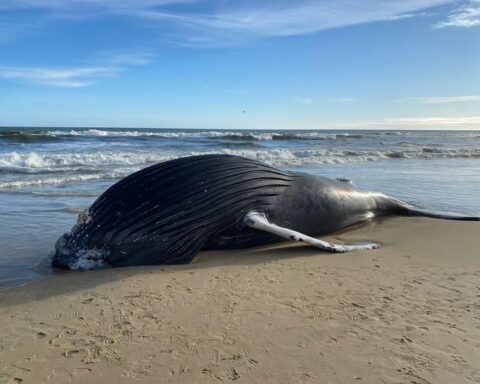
[406, 313]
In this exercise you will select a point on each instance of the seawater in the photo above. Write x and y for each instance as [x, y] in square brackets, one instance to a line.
[49, 175]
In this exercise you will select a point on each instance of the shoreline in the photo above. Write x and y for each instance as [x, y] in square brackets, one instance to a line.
[408, 312]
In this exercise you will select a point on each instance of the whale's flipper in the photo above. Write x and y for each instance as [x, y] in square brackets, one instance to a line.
[259, 221]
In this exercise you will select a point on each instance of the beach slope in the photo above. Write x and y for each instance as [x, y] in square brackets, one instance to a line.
[406, 313]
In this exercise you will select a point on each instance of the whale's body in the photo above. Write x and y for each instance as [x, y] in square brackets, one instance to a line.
[167, 213]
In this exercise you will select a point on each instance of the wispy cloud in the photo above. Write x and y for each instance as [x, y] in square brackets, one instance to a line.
[64, 5]
[434, 122]
[223, 22]
[124, 58]
[406, 16]
[103, 64]
[286, 18]
[466, 16]
[57, 77]
[303, 100]
[453, 122]
[441, 99]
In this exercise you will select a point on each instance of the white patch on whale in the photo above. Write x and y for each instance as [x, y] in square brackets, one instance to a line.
[89, 259]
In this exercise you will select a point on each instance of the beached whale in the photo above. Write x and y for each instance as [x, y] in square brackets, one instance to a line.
[167, 213]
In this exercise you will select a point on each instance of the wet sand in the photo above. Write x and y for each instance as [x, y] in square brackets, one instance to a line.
[406, 313]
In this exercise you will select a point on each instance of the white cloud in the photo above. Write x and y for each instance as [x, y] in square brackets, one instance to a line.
[462, 122]
[406, 16]
[453, 122]
[104, 64]
[465, 16]
[58, 77]
[62, 5]
[442, 99]
[287, 18]
[303, 100]
[232, 22]
[124, 58]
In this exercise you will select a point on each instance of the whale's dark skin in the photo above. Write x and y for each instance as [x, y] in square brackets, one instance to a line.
[167, 213]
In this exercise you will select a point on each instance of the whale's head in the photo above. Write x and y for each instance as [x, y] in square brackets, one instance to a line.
[70, 251]
[69, 256]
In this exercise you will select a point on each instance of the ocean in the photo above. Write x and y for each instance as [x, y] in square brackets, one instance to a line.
[49, 175]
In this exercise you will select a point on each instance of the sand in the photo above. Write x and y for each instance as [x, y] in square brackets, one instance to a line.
[406, 313]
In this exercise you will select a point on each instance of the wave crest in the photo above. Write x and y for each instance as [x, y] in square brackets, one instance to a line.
[50, 168]
[24, 136]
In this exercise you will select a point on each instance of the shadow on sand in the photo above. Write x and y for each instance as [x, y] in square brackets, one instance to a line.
[61, 282]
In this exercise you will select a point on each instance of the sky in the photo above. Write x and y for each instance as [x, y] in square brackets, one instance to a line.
[234, 64]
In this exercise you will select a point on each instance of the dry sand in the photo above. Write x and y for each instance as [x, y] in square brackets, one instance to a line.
[406, 313]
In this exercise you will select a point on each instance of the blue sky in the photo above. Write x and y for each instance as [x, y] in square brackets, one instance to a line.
[240, 64]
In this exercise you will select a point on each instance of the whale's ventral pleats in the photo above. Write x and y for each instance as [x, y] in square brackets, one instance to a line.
[164, 214]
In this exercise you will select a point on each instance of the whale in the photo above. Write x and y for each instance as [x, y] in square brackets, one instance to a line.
[170, 211]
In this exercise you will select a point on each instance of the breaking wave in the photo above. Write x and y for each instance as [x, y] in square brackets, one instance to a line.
[46, 135]
[38, 162]
[47, 162]
[27, 136]
[38, 168]
[58, 180]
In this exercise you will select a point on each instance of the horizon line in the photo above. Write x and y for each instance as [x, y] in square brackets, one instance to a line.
[240, 129]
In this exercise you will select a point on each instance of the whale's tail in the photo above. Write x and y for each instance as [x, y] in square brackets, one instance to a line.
[440, 215]
[403, 208]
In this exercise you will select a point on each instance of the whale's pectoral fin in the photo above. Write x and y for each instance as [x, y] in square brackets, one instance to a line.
[259, 221]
